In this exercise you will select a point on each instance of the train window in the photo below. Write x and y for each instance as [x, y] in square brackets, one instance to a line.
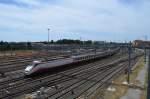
[34, 64]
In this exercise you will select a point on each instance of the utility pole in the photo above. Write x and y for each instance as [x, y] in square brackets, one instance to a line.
[122, 48]
[148, 89]
[48, 38]
[48, 35]
[145, 54]
[145, 49]
[129, 65]
[80, 45]
[145, 37]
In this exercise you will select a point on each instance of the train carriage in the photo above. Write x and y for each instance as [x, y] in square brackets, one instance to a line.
[38, 66]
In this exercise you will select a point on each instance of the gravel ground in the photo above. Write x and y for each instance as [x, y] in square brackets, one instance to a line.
[136, 93]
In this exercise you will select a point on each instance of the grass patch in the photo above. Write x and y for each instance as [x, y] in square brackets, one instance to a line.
[144, 92]
[121, 90]
[136, 71]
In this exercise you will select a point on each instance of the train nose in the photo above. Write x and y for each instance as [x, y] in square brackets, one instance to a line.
[26, 72]
[28, 69]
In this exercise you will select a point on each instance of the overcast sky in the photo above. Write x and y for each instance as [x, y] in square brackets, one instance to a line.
[111, 20]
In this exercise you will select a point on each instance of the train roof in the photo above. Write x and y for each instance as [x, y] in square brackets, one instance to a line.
[37, 61]
[59, 62]
[87, 54]
[53, 61]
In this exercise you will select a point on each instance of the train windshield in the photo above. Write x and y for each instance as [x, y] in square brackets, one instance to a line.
[35, 63]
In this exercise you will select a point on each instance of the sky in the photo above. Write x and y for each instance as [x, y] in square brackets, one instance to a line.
[109, 20]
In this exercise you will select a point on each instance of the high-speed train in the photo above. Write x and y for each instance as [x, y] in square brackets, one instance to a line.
[39, 66]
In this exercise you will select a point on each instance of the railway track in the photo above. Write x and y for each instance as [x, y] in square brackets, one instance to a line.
[12, 58]
[67, 71]
[23, 60]
[22, 87]
[75, 69]
[84, 81]
[17, 58]
[72, 83]
[45, 77]
[102, 84]
[80, 85]
[11, 77]
[18, 65]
